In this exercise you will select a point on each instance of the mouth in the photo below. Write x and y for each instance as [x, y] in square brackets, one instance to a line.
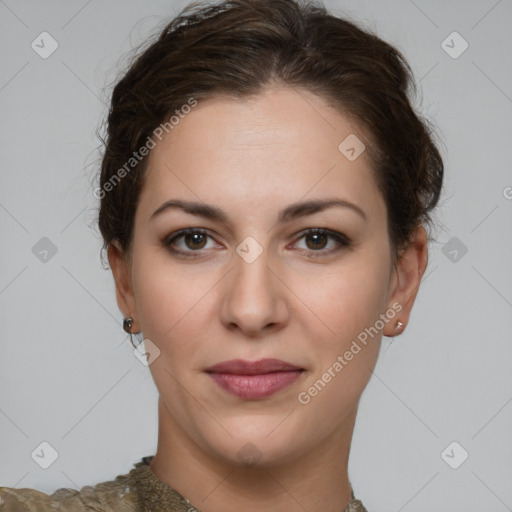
[253, 380]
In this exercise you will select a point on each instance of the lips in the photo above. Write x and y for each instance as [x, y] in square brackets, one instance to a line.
[242, 367]
[252, 380]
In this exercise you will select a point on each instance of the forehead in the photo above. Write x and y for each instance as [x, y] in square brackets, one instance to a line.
[279, 146]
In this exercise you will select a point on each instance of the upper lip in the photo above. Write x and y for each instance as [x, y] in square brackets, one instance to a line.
[245, 367]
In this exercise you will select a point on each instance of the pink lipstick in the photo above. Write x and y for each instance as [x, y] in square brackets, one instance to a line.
[253, 380]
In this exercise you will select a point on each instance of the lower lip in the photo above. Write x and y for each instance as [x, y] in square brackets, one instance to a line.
[253, 387]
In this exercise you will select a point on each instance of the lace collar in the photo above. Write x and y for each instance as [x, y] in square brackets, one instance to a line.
[156, 496]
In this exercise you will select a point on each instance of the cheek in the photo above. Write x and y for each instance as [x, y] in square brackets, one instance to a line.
[350, 302]
[161, 295]
[173, 310]
[348, 298]
[173, 305]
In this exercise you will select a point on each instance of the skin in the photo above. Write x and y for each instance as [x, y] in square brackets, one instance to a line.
[297, 301]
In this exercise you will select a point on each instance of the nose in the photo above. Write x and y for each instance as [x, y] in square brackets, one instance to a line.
[254, 298]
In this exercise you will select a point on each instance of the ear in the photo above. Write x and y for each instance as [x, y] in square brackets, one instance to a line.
[120, 265]
[406, 279]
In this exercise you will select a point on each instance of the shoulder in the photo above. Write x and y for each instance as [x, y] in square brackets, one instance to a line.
[111, 496]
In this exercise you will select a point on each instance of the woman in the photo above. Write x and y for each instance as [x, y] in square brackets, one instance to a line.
[265, 192]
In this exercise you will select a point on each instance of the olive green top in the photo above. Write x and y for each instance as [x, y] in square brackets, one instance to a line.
[138, 491]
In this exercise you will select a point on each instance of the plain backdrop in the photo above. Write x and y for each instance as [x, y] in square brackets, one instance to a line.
[68, 375]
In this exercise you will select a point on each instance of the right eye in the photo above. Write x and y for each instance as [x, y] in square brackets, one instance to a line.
[187, 241]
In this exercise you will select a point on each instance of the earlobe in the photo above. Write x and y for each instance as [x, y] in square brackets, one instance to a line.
[121, 272]
[409, 271]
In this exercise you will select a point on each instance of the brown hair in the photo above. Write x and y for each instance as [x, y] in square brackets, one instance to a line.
[237, 48]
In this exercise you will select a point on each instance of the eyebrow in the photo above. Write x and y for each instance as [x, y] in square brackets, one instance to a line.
[294, 211]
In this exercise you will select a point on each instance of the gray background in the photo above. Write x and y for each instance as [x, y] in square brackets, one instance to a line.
[67, 372]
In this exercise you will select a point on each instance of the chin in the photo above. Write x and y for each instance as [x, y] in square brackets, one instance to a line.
[260, 442]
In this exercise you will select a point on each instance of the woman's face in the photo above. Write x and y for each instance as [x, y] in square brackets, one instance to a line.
[249, 283]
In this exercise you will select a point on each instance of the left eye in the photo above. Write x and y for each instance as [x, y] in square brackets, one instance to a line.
[317, 240]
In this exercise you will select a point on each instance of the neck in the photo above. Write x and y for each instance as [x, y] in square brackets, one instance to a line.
[315, 480]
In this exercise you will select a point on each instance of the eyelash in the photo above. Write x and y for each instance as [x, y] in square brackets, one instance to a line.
[340, 238]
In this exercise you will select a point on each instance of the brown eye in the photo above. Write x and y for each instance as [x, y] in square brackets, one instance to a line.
[318, 240]
[188, 241]
[195, 240]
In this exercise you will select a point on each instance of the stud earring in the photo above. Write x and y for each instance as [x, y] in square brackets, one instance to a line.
[127, 326]
[399, 325]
